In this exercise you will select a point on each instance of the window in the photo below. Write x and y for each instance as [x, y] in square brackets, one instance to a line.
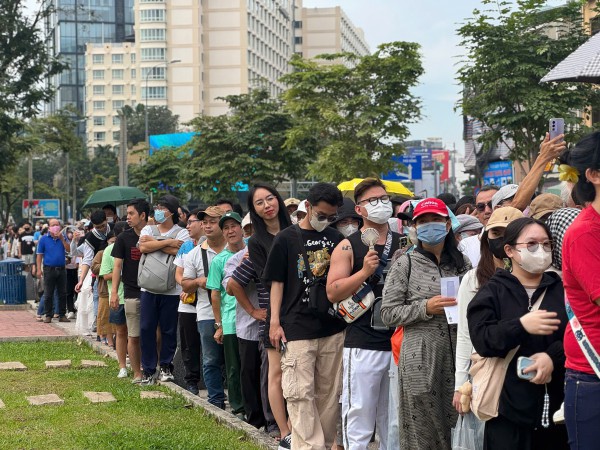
[153, 34]
[133, 89]
[298, 40]
[98, 89]
[116, 120]
[154, 73]
[98, 105]
[154, 92]
[116, 135]
[153, 54]
[118, 89]
[152, 15]
[133, 74]
[117, 74]
[98, 74]
[99, 136]
[117, 58]
[118, 104]
[98, 59]
[99, 121]
[132, 57]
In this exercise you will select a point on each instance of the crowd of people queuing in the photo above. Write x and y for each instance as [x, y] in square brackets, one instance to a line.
[339, 319]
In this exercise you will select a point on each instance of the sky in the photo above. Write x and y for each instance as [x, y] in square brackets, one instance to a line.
[432, 24]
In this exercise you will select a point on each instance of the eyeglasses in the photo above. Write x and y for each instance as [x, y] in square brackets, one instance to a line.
[193, 221]
[385, 199]
[323, 217]
[533, 246]
[481, 206]
[268, 199]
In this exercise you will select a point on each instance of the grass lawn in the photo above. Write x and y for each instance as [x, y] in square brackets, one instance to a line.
[129, 423]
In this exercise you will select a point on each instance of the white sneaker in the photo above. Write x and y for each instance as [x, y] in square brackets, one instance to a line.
[166, 375]
[71, 315]
[559, 416]
[122, 373]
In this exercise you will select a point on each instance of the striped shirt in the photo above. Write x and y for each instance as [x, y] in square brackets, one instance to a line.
[244, 274]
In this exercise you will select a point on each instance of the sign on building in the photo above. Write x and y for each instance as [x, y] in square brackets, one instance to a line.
[42, 208]
[499, 173]
[411, 168]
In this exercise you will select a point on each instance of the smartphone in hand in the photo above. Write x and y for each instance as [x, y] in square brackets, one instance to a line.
[556, 127]
[282, 346]
[523, 363]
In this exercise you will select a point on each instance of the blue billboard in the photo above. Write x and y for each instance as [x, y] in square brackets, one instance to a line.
[499, 173]
[42, 208]
[412, 169]
[426, 156]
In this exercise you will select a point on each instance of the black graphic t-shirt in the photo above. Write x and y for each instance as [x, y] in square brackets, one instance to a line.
[286, 264]
[126, 249]
[27, 243]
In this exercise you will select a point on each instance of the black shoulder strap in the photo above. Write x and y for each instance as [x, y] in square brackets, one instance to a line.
[205, 265]
[304, 255]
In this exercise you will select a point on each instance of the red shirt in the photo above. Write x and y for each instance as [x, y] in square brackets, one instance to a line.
[581, 278]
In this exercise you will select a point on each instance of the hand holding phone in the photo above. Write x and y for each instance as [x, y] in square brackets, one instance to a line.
[282, 346]
[522, 363]
[556, 127]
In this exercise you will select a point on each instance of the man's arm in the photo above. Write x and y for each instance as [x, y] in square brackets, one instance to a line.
[550, 149]
[340, 283]
[178, 275]
[148, 244]
[237, 290]
[276, 331]
[37, 270]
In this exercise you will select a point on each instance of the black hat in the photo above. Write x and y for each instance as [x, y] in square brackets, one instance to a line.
[448, 199]
[347, 211]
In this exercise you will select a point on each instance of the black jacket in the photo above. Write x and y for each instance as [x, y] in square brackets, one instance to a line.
[495, 328]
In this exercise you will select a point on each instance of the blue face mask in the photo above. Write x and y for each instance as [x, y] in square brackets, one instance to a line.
[432, 233]
[246, 240]
[159, 216]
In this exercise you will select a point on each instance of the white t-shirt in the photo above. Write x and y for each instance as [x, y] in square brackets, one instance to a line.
[179, 259]
[182, 235]
[471, 247]
[193, 267]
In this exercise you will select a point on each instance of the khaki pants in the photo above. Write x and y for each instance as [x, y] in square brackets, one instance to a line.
[311, 381]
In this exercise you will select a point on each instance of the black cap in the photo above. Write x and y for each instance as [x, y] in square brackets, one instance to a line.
[347, 211]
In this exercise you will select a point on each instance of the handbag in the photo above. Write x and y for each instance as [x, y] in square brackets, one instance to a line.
[488, 375]
[318, 303]
[468, 433]
[360, 302]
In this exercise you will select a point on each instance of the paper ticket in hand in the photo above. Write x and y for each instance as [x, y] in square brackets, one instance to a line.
[450, 289]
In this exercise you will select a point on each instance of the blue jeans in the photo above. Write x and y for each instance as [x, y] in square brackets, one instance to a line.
[212, 363]
[41, 306]
[582, 409]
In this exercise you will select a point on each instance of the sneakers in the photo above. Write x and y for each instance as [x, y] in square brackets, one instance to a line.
[148, 380]
[63, 319]
[192, 388]
[137, 380]
[122, 373]
[47, 319]
[559, 416]
[166, 375]
[71, 315]
[285, 443]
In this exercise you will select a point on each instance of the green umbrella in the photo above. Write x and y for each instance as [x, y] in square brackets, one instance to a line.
[114, 195]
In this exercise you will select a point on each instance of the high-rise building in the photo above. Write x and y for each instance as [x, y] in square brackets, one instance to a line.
[73, 24]
[191, 54]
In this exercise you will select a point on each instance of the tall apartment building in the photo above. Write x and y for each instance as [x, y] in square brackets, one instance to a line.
[191, 53]
[73, 24]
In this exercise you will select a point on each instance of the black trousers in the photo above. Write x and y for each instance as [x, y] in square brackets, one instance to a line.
[191, 352]
[250, 378]
[71, 282]
[55, 278]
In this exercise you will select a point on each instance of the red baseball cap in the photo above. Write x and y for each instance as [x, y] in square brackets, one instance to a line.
[430, 206]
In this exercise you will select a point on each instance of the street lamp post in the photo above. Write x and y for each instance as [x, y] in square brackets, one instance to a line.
[151, 70]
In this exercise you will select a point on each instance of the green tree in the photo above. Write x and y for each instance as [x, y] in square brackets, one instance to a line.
[246, 145]
[160, 121]
[161, 173]
[510, 47]
[354, 114]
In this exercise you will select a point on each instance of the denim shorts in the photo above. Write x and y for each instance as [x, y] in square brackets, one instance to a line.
[117, 317]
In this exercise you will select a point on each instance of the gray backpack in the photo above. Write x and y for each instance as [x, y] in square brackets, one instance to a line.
[156, 272]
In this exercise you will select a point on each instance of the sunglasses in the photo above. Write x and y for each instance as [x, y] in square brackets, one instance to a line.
[323, 217]
[533, 246]
[481, 206]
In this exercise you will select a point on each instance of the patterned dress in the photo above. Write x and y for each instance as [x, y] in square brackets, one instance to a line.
[426, 368]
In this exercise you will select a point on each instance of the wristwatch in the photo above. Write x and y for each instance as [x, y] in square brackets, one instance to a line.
[217, 325]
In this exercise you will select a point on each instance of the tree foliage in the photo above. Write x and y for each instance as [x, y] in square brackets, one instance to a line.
[246, 145]
[510, 46]
[161, 173]
[160, 121]
[353, 114]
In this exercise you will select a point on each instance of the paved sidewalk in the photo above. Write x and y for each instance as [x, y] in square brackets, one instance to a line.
[22, 324]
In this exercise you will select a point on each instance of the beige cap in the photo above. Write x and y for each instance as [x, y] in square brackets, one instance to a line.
[544, 204]
[211, 211]
[291, 201]
[502, 216]
[246, 220]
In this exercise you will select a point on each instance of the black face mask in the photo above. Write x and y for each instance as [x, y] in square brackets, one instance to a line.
[497, 247]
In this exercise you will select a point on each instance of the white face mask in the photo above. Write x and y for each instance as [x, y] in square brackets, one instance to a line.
[379, 213]
[347, 230]
[412, 235]
[318, 225]
[536, 262]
